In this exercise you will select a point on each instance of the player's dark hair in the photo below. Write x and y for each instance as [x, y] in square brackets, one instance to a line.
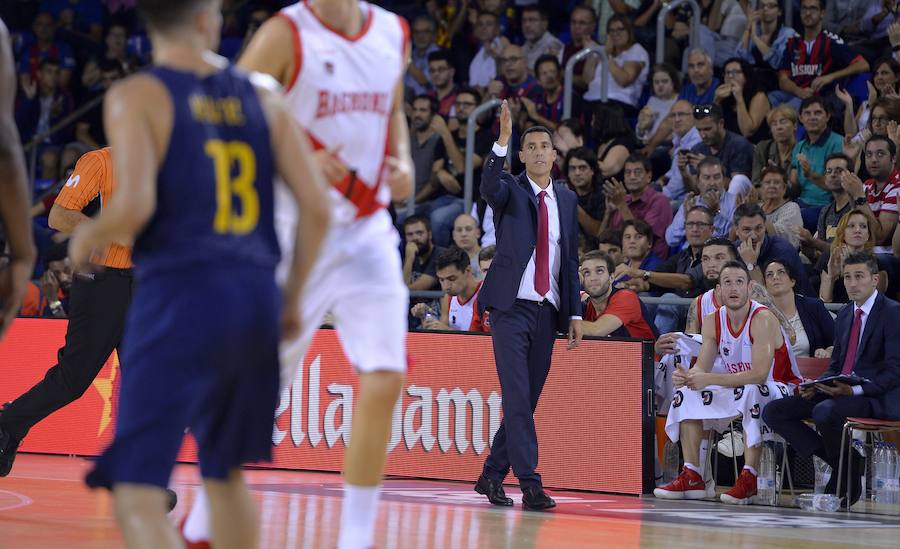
[863, 258]
[164, 14]
[453, 257]
[599, 255]
[536, 129]
[413, 219]
[487, 253]
[721, 241]
[735, 265]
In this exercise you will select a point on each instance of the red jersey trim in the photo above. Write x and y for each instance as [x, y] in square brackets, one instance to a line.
[744, 325]
[471, 297]
[750, 320]
[354, 188]
[362, 31]
[298, 51]
[404, 45]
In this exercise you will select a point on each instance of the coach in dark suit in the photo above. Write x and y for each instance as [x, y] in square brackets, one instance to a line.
[531, 292]
[865, 344]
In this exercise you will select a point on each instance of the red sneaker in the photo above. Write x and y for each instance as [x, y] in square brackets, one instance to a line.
[199, 544]
[688, 485]
[743, 490]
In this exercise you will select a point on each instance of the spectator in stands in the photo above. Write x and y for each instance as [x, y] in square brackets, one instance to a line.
[682, 272]
[712, 193]
[89, 132]
[459, 305]
[637, 249]
[40, 106]
[117, 48]
[418, 75]
[77, 18]
[765, 39]
[813, 326]
[829, 218]
[538, 40]
[432, 147]
[876, 358]
[782, 214]
[874, 27]
[843, 17]
[567, 136]
[544, 106]
[466, 237]
[49, 296]
[581, 175]
[744, 104]
[873, 116]
[582, 22]
[441, 72]
[450, 174]
[666, 83]
[610, 243]
[485, 258]
[684, 138]
[483, 68]
[853, 237]
[450, 17]
[777, 151]
[636, 199]
[702, 85]
[609, 311]
[814, 62]
[628, 64]
[515, 80]
[43, 45]
[756, 247]
[808, 156]
[419, 254]
[735, 152]
[615, 140]
[879, 193]
[723, 26]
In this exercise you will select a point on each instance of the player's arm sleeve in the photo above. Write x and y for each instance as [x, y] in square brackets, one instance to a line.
[84, 183]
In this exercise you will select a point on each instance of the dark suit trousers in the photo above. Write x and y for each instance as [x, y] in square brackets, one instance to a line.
[786, 417]
[97, 309]
[523, 343]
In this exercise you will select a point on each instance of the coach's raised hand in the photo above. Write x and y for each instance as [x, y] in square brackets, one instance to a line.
[505, 124]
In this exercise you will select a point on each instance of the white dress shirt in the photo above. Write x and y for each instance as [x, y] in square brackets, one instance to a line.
[866, 309]
[526, 284]
[483, 68]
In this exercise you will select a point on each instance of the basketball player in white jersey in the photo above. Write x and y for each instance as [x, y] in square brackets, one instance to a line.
[341, 64]
[459, 305]
[748, 341]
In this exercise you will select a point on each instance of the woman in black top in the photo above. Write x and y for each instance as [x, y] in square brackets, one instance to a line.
[743, 103]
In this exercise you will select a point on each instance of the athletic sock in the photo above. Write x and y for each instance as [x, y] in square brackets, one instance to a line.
[196, 526]
[693, 468]
[358, 516]
[752, 470]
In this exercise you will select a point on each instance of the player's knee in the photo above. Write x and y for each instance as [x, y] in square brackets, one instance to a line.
[383, 386]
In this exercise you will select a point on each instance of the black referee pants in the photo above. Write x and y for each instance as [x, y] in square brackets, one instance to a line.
[98, 303]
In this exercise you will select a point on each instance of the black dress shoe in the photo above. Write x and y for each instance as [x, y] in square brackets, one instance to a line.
[8, 449]
[855, 483]
[493, 489]
[534, 498]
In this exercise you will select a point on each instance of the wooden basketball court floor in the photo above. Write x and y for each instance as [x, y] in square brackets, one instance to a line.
[44, 504]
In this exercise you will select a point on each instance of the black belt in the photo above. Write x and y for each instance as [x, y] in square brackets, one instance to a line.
[533, 302]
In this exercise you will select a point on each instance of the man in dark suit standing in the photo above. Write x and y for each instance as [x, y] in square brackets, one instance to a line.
[865, 344]
[531, 292]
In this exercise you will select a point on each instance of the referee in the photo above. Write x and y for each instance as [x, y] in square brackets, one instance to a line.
[97, 306]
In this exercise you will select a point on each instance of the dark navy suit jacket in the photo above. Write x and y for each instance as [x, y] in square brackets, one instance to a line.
[515, 220]
[878, 355]
[816, 321]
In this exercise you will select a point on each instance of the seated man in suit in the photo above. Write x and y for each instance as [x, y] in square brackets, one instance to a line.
[870, 350]
[744, 365]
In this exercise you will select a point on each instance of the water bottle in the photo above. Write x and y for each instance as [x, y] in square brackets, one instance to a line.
[827, 503]
[765, 482]
[879, 494]
[823, 474]
[892, 482]
[671, 462]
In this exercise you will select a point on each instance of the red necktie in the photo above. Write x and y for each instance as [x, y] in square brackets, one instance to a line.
[542, 251]
[852, 344]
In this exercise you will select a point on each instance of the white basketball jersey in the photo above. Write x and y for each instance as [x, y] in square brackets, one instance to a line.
[342, 94]
[462, 313]
[735, 348]
[707, 305]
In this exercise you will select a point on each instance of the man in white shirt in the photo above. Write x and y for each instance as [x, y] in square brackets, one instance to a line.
[483, 67]
[684, 137]
[538, 40]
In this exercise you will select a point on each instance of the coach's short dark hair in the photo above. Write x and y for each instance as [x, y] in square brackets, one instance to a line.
[749, 209]
[413, 219]
[722, 241]
[165, 14]
[599, 255]
[453, 257]
[863, 258]
[536, 129]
